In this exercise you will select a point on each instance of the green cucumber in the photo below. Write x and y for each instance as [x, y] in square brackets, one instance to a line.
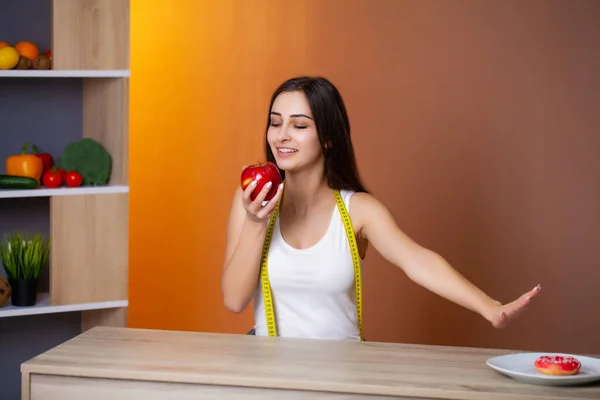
[18, 182]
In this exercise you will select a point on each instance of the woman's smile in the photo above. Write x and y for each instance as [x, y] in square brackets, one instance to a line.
[286, 152]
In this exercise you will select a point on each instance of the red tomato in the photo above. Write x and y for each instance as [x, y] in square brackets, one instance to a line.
[73, 179]
[52, 178]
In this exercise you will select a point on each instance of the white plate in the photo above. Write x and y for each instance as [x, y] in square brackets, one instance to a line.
[520, 367]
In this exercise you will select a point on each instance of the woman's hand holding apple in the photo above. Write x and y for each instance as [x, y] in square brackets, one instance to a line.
[257, 184]
[254, 208]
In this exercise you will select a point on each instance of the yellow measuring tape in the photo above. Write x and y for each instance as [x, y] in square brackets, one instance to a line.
[268, 299]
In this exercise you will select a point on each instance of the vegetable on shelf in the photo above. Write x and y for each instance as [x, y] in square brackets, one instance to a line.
[61, 172]
[73, 179]
[90, 159]
[18, 182]
[52, 178]
[47, 160]
[27, 165]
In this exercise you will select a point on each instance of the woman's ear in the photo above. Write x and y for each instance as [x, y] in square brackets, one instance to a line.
[328, 144]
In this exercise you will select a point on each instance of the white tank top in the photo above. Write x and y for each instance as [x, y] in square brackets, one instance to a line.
[313, 289]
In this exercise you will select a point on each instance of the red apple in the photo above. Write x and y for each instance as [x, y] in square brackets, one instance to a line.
[262, 173]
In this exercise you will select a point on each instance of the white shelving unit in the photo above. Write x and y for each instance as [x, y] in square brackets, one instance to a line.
[89, 41]
[62, 191]
[64, 74]
[43, 306]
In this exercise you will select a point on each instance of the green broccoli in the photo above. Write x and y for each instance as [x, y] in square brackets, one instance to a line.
[90, 159]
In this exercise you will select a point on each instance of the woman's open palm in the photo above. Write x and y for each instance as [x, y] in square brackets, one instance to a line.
[504, 313]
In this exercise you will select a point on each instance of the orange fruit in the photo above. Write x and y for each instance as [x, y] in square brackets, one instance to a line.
[27, 49]
[3, 44]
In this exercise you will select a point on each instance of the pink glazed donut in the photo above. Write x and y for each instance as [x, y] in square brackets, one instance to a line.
[557, 365]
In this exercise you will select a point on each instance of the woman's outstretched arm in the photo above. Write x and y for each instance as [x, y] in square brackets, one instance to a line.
[426, 267]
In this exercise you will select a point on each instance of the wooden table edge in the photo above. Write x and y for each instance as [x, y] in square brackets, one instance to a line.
[29, 369]
[35, 366]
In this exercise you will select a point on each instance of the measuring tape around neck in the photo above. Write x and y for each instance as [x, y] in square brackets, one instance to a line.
[264, 261]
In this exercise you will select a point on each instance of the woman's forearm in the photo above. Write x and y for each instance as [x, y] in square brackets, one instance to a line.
[240, 275]
[431, 271]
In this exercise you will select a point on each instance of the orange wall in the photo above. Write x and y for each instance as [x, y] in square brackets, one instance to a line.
[202, 72]
[484, 112]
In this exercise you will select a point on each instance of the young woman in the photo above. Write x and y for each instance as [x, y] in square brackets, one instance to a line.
[310, 266]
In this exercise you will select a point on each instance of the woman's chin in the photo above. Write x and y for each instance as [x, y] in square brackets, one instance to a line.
[284, 165]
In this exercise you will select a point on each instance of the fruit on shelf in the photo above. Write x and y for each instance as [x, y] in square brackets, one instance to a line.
[24, 55]
[9, 57]
[52, 178]
[18, 182]
[27, 165]
[27, 49]
[5, 291]
[90, 159]
[47, 160]
[41, 62]
[24, 63]
[263, 173]
[73, 179]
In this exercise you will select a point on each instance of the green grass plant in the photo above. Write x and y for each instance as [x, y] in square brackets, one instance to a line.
[24, 256]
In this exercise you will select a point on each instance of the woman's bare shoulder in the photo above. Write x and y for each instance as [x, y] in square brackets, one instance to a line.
[361, 206]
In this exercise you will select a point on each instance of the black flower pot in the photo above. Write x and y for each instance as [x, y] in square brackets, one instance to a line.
[24, 292]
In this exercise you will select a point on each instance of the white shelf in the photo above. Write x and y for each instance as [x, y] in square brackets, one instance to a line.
[33, 73]
[43, 307]
[62, 191]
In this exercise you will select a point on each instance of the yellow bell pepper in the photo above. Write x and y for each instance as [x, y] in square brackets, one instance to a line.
[24, 164]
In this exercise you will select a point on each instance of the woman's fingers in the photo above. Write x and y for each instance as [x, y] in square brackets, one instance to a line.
[256, 205]
[534, 292]
[268, 208]
[248, 192]
[516, 306]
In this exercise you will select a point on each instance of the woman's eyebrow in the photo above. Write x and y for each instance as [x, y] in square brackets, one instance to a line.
[293, 115]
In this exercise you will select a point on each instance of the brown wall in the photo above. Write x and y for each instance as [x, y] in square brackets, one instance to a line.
[476, 122]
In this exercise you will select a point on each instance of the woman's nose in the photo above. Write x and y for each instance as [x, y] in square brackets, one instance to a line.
[283, 134]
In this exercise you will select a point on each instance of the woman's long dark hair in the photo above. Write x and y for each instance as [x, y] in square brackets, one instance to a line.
[333, 128]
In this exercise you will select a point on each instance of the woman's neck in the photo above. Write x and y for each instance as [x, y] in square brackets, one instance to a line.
[304, 190]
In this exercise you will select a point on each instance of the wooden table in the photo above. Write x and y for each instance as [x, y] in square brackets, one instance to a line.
[130, 364]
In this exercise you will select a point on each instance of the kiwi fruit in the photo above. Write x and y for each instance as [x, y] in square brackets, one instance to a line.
[41, 62]
[24, 63]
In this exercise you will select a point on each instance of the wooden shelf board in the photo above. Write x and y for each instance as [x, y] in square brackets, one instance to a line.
[62, 191]
[28, 73]
[43, 307]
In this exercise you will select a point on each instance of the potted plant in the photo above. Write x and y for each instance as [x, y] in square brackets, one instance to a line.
[23, 258]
